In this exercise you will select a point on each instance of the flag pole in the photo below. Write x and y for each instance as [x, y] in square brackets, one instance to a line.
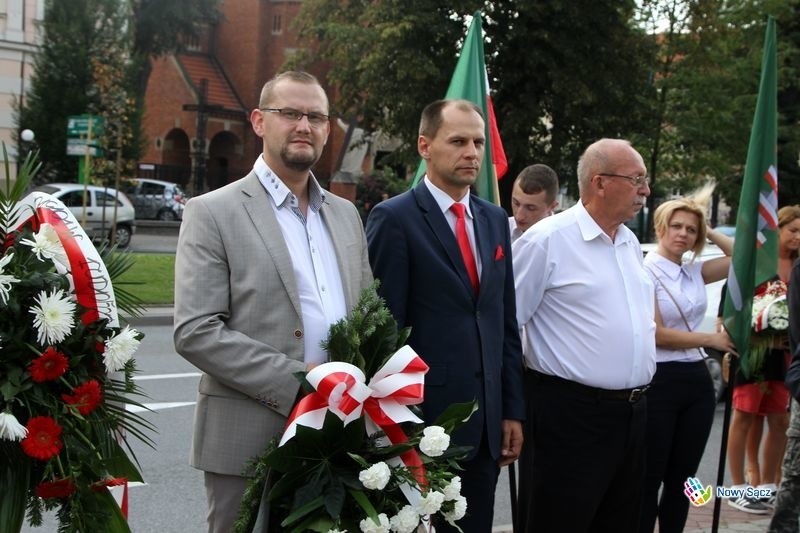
[723, 446]
[512, 489]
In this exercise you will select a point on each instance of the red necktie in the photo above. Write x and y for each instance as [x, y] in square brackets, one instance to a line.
[463, 244]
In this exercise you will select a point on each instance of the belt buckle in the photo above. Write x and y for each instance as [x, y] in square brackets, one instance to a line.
[636, 394]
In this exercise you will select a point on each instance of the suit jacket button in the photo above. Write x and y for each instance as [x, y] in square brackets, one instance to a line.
[298, 334]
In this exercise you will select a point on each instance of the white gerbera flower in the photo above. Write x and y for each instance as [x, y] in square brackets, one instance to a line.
[434, 442]
[120, 348]
[6, 279]
[375, 477]
[10, 428]
[453, 489]
[54, 317]
[458, 512]
[405, 521]
[430, 503]
[47, 245]
[368, 526]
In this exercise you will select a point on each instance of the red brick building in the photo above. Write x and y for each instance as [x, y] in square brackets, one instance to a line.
[198, 103]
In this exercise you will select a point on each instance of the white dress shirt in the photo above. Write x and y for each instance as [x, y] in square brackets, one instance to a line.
[316, 268]
[685, 284]
[444, 202]
[586, 303]
[516, 233]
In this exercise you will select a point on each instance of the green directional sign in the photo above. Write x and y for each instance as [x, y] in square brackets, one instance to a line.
[79, 125]
[83, 132]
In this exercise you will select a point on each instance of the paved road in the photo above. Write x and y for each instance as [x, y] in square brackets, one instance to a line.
[173, 501]
[155, 238]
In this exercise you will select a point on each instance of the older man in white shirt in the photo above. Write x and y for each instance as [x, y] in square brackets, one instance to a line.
[587, 307]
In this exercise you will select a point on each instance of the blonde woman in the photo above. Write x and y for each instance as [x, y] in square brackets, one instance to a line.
[681, 400]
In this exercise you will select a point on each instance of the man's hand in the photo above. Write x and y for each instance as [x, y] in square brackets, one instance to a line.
[512, 442]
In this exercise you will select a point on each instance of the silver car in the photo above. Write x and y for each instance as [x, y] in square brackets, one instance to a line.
[156, 199]
[100, 202]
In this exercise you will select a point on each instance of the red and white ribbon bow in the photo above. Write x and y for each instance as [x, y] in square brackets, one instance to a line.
[341, 389]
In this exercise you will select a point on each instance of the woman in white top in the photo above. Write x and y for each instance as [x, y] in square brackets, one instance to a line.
[681, 401]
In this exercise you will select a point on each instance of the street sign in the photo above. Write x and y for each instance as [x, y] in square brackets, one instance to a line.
[80, 146]
[83, 135]
[78, 125]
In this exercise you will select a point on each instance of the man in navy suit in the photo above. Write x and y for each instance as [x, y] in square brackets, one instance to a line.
[445, 271]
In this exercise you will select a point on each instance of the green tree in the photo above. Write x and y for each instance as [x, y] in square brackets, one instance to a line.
[161, 27]
[387, 59]
[553, 93]
[710, 60]
[566, 73]
[114, 99]
[95, 57]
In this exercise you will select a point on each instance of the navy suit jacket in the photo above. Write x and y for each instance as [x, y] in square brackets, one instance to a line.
[471, 346]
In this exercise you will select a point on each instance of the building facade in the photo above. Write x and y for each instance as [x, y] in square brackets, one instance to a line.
[198, 102]
[19, 38]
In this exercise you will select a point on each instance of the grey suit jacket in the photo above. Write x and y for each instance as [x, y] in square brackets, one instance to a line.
[238, 317]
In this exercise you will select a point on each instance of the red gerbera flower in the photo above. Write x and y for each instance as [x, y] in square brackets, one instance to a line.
[44, 438]
[60, 488]
[85, 397]
[49, 366]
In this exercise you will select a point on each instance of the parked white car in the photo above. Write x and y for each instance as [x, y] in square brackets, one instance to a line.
[100, 202]
[162, 200]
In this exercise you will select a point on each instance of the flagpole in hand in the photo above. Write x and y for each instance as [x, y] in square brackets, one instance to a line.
[512, 488]
[756, 229]
[723, 445]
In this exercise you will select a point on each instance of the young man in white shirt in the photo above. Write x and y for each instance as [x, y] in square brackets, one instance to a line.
[533, 197]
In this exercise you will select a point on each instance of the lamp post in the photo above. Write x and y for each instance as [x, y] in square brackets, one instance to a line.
[26, 138]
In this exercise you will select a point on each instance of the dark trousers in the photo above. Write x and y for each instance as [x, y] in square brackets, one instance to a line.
[525, 461]
[478, 483]
[680, 411]
[588, 460]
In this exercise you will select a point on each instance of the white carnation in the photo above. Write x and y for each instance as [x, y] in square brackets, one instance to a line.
[369, 526]
[430, 503]
[458, 512]
[120, 348]
[10, 428]
[53, 318]
[47, 245]
[6, 279]
[405, 521]
[434, 441]
[453, 489]
[375, 477]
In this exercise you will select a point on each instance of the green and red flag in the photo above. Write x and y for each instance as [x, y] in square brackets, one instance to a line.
[755, 252]
[470, 82]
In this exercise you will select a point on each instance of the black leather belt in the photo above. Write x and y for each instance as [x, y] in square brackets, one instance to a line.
[628, 395]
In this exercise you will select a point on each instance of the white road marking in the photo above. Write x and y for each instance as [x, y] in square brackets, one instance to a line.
[156, 406]
[167, 376]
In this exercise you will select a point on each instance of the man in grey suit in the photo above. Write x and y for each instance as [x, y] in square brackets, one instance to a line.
[264, 266]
